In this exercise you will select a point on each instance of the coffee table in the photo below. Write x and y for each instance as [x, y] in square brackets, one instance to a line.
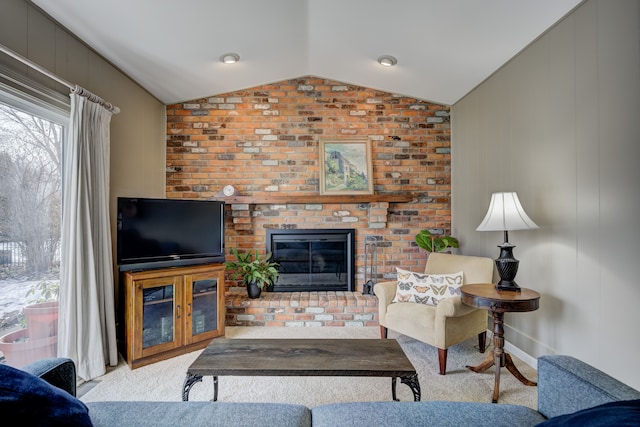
[303, 357]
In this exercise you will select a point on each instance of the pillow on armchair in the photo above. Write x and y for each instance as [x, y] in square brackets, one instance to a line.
[426, 288]
[33, 401]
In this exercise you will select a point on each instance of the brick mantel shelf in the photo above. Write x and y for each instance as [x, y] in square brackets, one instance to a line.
[243, 204]
[343, 198]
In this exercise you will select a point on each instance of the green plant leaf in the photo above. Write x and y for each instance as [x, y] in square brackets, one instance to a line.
[435, 243]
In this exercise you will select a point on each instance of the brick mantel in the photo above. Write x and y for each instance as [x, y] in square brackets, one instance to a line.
[265, 142]
[240, 204]
[314, 198]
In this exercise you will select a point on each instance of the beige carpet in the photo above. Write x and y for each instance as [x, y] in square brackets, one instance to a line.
[162, 381]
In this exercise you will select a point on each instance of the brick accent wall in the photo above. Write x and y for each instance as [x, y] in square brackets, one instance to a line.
[265, 140]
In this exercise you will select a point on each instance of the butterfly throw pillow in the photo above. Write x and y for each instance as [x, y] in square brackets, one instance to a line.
[425, 288]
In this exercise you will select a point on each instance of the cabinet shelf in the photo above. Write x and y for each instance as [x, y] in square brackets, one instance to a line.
[159, 301]
[202, 294]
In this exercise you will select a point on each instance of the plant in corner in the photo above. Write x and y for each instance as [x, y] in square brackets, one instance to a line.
[42, 311]
[39, 339]
[255, 272]
[435, 242]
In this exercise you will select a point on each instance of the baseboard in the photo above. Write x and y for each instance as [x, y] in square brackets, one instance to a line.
[526, 358]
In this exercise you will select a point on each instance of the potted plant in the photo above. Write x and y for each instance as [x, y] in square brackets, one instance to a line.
[42, 312]
[19, 350]
[39, 339]
[435, 242]
[255, 272]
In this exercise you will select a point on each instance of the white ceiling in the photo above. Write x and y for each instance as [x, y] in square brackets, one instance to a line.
[172, 48]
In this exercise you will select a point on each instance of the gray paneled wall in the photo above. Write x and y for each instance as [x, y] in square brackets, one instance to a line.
[560, 124]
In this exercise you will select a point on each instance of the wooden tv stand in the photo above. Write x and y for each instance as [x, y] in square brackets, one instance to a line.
[171, 311]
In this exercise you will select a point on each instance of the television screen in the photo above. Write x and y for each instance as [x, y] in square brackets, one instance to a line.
[155, 233]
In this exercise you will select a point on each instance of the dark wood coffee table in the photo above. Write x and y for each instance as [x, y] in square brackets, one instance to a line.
[303, 357]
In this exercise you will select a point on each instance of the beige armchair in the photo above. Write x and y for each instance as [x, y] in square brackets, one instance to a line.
[448, 323]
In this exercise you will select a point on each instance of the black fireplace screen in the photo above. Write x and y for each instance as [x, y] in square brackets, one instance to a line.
[313, 260]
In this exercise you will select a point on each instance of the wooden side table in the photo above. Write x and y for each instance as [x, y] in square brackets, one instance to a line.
[485, 295]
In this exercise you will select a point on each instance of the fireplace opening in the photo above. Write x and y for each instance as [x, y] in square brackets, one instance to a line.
[313, 260]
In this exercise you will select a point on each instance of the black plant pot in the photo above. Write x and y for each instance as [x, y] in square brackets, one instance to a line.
[253, 290]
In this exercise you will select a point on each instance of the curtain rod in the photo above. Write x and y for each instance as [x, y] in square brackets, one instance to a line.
[73, 87]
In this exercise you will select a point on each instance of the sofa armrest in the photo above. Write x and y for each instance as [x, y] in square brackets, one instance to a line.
[567, 385]
[59, 372]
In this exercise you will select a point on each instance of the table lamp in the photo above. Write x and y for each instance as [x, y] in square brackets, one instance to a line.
[505, 214]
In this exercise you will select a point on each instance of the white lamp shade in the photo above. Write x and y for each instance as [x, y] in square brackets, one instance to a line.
[506, 213]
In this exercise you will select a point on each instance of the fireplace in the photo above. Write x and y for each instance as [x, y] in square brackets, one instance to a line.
[313, 260]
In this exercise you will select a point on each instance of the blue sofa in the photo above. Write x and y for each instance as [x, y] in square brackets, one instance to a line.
[570, 392]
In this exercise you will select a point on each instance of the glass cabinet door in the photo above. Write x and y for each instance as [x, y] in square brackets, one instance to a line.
[158, 315]
[158, 320]
[204, 311]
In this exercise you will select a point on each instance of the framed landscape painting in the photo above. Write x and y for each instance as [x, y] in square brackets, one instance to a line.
[345, 167]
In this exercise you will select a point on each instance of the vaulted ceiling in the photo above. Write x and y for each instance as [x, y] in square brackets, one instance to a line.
[444, 48]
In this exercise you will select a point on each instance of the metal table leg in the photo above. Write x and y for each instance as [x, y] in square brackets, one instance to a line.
[189, 381]
[412, 382]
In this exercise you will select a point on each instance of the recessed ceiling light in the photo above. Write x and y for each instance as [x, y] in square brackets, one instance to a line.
[387, 60]
[230, 58]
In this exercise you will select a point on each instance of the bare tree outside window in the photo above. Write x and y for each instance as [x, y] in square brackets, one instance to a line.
[30, 209]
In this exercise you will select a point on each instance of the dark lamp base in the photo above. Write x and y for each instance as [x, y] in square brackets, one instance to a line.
[507, 267]
[508, 285]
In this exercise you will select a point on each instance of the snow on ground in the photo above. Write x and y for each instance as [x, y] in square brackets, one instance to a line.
[13, 297]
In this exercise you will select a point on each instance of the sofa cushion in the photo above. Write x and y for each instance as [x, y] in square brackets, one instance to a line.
[429, 413]
[619, 414]
[426, 288]
[194, 414]
[33, 401]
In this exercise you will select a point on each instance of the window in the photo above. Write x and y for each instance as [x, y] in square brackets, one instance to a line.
[31, 139]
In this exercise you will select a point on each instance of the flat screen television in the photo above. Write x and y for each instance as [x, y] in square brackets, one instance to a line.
[159, 233]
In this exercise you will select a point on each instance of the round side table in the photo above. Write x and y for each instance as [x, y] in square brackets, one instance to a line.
[486, 296]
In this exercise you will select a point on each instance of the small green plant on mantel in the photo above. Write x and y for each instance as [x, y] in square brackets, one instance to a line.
[251, 268]
[435, 242]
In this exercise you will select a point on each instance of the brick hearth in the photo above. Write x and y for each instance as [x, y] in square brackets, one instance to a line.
[328, 308]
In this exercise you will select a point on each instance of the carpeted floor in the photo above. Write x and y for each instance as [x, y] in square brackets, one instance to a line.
[162, 381]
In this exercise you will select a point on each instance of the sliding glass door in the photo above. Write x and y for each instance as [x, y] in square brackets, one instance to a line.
[31, 139]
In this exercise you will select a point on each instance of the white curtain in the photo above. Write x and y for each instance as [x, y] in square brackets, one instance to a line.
[87, 331]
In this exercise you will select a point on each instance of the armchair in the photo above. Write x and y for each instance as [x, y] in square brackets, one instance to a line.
[443, 325]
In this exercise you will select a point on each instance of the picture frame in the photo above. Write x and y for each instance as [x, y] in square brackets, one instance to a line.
[345, 167]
